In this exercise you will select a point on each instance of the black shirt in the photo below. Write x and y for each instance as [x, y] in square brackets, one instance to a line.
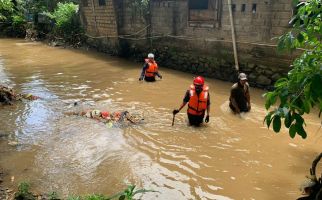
[238, 92]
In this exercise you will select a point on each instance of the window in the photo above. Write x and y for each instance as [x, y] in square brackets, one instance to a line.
[243, 8]
[198, 4]
[85, 3]
[101, 2]
[204, 13]
[254, 8]
[233, 7]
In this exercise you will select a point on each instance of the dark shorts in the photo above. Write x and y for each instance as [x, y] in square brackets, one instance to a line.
[149, 79]
[241, 109]
[195, 120]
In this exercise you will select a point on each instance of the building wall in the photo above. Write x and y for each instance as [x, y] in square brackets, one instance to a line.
[171, 17]
[196, 41]
[131, 19]
[100, 24]
[269, 20]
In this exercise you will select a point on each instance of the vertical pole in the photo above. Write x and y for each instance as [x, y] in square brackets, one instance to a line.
[93, 10]
[149, 22]
[233, 35]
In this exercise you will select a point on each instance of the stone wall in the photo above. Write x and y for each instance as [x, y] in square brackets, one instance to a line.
[199, 42]
[216, 60]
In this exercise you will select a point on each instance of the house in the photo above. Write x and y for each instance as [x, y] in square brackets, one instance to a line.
[195, 35]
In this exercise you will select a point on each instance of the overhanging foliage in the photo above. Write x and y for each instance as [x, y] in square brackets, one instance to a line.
[301, 90]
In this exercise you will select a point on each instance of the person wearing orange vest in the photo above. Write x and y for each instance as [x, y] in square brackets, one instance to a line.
[150, 69]
[198, 100]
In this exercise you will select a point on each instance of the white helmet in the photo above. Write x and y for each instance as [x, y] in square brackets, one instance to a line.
[150, 55]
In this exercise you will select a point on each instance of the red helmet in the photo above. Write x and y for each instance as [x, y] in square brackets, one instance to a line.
[199, 80]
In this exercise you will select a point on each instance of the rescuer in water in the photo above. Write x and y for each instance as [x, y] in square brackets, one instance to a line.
[198, 100]
[150, 69]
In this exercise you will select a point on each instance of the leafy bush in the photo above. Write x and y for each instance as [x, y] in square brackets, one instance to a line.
[301, 90]
[6, 9]
[11, 16]
[23, 192]
[67, 24]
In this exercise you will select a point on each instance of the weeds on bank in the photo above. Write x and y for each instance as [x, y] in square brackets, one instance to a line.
[53, 196]
[74, 198]
[23, 192]
[127, 194]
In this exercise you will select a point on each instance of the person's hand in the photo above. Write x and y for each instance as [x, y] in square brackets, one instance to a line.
[175, 111]
[140, 79]
[207, 119]
[160, 76]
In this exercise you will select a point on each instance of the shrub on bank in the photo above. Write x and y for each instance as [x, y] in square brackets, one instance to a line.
[67, 24]
[24, 193]
[12, 21]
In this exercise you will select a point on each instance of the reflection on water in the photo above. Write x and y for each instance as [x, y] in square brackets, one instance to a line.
[232, 157]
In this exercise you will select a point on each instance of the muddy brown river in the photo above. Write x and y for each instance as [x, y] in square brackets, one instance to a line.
[232, 157]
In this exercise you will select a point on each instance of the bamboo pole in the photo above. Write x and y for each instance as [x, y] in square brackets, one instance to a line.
[233, 36]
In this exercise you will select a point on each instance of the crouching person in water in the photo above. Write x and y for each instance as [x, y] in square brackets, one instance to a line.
[198, 100]
[239, 100]
[110, 119]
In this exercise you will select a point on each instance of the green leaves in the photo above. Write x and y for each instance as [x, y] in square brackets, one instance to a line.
[64, 13]
[270, 99]
[292, 131]
[277, 123]
[6, 9]
[268, 119]
[288, 120]
[301, 90]
[300, 37]
[129, 193]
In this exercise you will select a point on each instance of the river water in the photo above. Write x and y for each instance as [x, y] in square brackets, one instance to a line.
[232, 157]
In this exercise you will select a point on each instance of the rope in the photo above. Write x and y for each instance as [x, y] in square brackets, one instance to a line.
[181, 38]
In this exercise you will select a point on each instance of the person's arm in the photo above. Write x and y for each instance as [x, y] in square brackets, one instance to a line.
[185, 101]
[182, 105]
[159, 75]
[145, 66]
[208, 105]
[248, 98]
[208, 109]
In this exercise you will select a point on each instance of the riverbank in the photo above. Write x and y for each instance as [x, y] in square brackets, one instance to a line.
[5, 192]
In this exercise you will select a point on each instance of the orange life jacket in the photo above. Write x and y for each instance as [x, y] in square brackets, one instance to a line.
[198, 103]
[152, 68]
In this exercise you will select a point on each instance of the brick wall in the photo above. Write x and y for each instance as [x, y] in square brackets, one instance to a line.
[202, 35]
[172, 17]
[99, 20]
